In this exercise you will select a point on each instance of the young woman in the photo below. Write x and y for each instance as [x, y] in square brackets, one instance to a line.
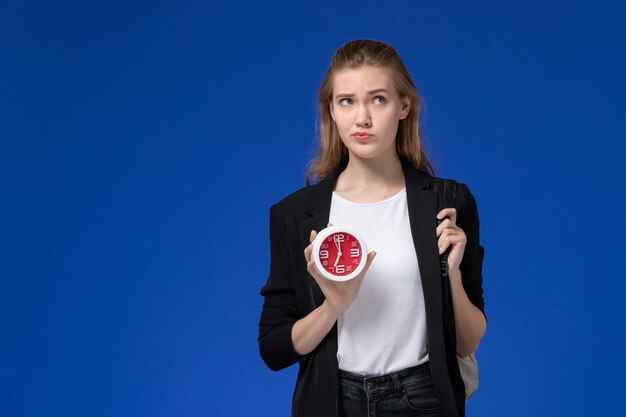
[373, 345]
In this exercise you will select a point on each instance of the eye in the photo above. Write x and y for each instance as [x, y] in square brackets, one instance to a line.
[343, 101]
[382, 100]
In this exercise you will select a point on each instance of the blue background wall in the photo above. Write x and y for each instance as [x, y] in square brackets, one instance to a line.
[138, 140]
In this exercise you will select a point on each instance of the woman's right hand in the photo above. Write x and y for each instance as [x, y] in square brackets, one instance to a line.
[339, 295]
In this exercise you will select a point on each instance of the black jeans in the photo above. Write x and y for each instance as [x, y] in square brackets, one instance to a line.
[409, 392]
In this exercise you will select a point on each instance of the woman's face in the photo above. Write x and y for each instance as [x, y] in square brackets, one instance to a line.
[367, 110]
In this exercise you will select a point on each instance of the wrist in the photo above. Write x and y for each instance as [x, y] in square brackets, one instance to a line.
[330, 309]
[455, 274]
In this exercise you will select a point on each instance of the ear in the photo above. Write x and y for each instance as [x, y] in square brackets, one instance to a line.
[406, 107]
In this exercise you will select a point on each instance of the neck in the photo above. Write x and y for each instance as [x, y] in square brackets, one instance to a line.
[386, 170]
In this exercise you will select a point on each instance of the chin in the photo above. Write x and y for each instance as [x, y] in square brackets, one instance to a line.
[368, 152]
[366, 155]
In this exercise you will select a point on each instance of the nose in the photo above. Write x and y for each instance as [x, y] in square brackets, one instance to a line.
[363, 118]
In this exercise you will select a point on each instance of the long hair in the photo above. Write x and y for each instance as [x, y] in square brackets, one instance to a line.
[332, 152]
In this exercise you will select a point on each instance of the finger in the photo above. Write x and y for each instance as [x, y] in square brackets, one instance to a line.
[307, 252]
[310, 266]
[330, 225]
[443, 241]
[443, 246]
[312, 236]
[445, 224]
[451, 232]
[450, 238]
[324, 284]
[457, 239]
[441, 236]
[449, 213]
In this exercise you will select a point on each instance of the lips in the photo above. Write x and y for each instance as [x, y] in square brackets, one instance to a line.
[362, 136]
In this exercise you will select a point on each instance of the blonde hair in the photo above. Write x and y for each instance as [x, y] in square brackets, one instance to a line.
[332, 152]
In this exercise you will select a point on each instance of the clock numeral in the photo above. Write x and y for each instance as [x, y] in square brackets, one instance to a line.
[354, 253]
[340, 269]
[354, 244]
[324, 246]
[340, 237]
[323, 254]
[356, 262]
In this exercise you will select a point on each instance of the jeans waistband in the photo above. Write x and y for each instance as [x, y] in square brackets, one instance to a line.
[374, 385]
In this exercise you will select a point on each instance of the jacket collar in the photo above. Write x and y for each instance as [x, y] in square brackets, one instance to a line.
[320, 195]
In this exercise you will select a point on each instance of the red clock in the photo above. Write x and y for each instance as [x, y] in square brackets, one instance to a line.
[339, 253]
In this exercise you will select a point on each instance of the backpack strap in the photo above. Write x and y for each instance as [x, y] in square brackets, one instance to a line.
[446, 196]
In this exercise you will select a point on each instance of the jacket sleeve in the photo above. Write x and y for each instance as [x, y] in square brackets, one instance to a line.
[280, 309]
[472, 264]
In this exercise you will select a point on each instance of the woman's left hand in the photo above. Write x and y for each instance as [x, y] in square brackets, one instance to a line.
[448, 233]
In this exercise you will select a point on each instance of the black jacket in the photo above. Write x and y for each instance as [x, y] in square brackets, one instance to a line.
[291, 293]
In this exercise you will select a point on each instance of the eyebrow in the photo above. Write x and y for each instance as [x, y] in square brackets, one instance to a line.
[378, 90]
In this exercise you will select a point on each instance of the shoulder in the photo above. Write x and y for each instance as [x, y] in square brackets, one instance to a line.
[287, 214]
[297, 205]
[462, 190]
[464, 200]
[295, 200]
[314, 199]
[464, 196]
[435, 183]
[465, 204]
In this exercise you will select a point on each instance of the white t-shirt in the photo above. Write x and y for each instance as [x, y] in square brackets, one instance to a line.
[384, 329]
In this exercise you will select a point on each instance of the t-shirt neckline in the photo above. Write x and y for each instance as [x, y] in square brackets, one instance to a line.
[386, 200]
